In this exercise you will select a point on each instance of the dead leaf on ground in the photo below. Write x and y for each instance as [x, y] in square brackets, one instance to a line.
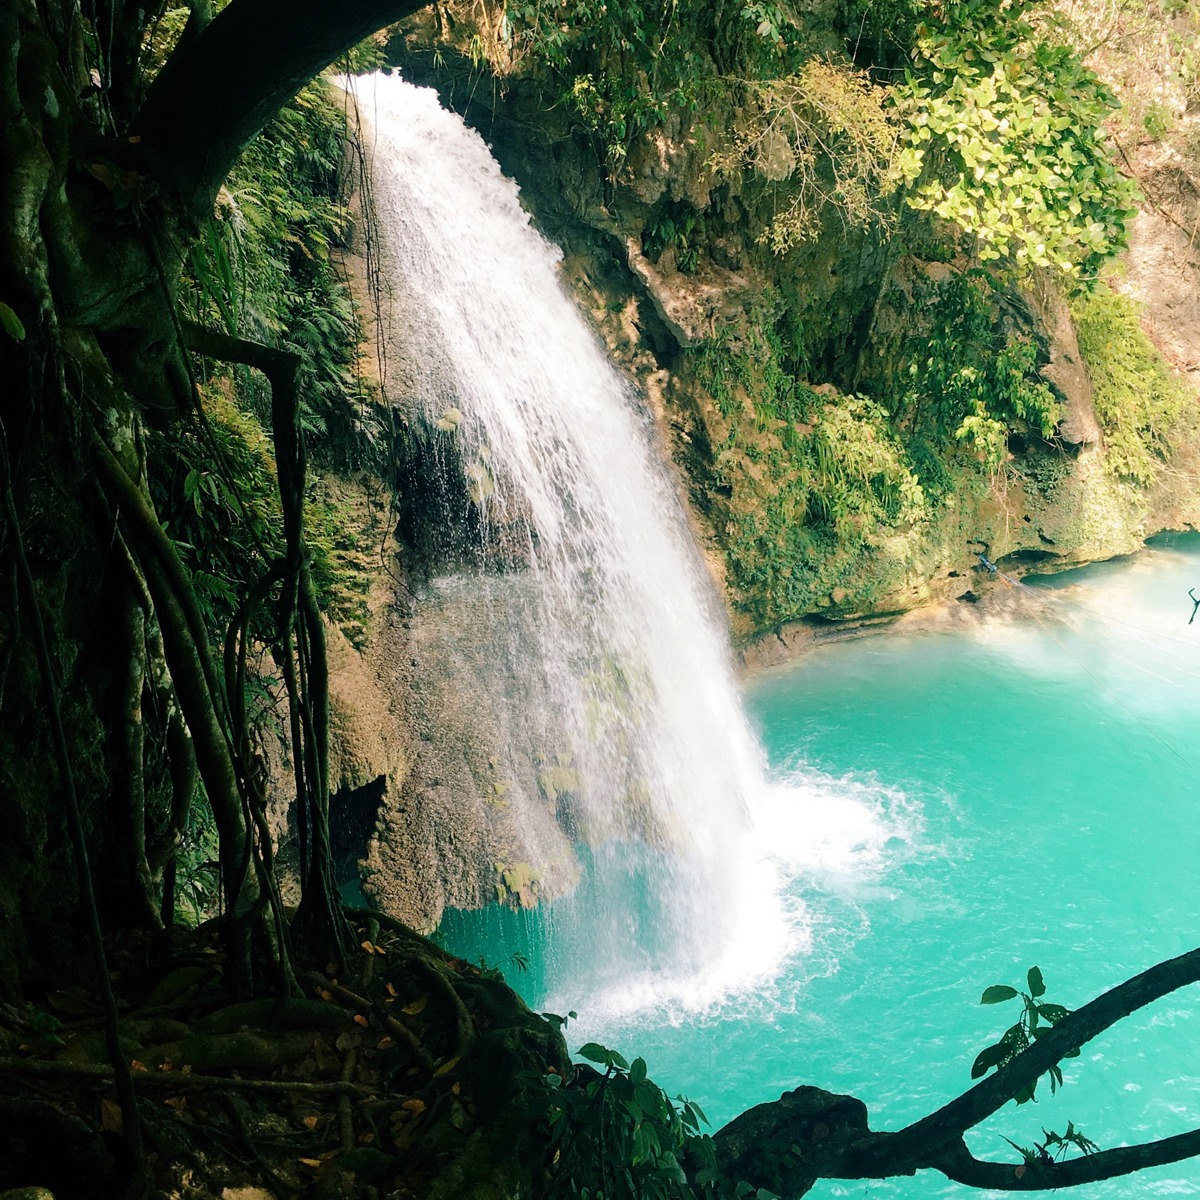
[111, 1118]
[417, 1006]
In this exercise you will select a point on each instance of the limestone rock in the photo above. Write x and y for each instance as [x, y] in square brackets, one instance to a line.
[693, 307]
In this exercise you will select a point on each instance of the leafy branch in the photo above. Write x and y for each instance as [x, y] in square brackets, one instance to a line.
[1036, 1019]
[1061, 1143]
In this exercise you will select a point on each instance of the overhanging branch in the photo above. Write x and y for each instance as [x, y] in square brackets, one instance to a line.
[809, 1134]
[1040, 1176]
[221, 87]
[946, 1126]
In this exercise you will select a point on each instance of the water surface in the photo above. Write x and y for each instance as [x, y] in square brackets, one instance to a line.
[945, 811]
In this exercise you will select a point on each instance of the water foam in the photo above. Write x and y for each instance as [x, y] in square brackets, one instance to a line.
[610, 602]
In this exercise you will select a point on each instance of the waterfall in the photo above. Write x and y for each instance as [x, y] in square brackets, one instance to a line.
[568, 632]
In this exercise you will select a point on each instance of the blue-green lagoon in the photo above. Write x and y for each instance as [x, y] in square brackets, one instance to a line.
[945, 809]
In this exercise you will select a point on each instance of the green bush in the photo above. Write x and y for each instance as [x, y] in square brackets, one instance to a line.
[965, 379]
[1005, 138]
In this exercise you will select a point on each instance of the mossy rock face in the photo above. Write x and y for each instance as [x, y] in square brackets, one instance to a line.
[518, 885]
[757, 346]
[558, 781]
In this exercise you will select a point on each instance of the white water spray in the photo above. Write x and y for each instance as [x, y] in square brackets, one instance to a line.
[608, 614]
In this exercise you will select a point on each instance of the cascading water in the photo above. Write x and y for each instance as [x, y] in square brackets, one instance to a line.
[580, 629]
[583, 633]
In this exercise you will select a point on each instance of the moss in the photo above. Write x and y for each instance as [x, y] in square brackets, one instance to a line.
[346, 533]
[813, 482]
[1139, 401]
[517, 884]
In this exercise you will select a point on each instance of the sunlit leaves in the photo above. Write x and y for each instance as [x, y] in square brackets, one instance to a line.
[828, 130]
[1140, 402]
[1006, 142]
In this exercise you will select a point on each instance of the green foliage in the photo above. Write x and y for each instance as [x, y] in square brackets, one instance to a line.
[966, 380]
[678, 227]
[615, 1134]
[995, 128]
[807, 483]
[1005, 139]
[197, 869]
[610, 57]
[809, 505]
[214, 488]
[762, 371]
[11, 323]
[1139, 402]
[810, 485]
[344, 535]
[627, 65]
[263, 268]
[1035, 1021]
[828, 132]
[859, 474]
[1157, 121]
[1059, 1143]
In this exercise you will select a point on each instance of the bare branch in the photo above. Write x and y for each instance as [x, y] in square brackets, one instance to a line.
[221, 87]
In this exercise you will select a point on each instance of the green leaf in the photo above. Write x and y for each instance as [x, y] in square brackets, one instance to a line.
[594, 1052]
[1036, 986]
[993, 1056]
[11, 323]
[998, 993]
[637, 1070]
[1053, 1012]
